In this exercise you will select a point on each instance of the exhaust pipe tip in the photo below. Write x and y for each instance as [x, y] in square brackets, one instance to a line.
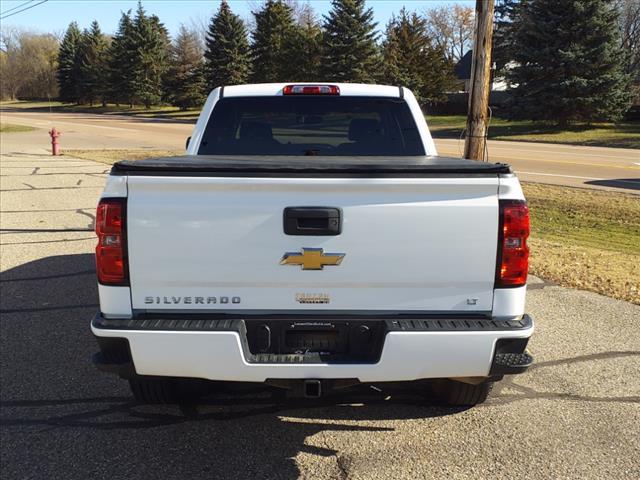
[312, 388]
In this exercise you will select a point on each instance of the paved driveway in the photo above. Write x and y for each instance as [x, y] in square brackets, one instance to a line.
[576, 414]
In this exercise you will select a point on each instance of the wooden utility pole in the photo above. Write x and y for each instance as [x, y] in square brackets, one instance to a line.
[474, 146]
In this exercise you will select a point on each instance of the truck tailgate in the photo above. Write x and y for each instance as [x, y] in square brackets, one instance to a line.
[216, 243]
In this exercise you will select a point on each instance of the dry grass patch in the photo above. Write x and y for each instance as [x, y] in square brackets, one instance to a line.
[113, 156]
[13, 128]
[614, 274]
[588, 239]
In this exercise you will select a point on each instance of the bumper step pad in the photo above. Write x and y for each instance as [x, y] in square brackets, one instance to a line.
[510, 363]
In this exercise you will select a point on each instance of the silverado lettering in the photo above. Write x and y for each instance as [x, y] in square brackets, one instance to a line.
[191, 300]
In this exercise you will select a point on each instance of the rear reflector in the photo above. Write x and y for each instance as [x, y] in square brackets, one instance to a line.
[513, 251]
[311, 90]
[111, 259]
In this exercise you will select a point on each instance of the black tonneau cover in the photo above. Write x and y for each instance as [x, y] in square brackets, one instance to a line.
[269, 166]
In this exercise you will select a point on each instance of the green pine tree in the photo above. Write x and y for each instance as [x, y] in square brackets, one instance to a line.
[504, 25]
[304, 48]
[149, 52]
[121, 58]
[350, 50]
[68, 68]
[185, 81]
[270, 47]
[411, 60]
[568, 62]
[228, 59]
[93, 64]
[164, 53]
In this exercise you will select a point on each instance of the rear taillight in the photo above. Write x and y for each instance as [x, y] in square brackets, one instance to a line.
[513, 251]
[311, 90]
[111, 252]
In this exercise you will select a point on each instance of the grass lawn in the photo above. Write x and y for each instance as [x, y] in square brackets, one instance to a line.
[624, 135]
[12, 128]
[587, 239]
[168, 112]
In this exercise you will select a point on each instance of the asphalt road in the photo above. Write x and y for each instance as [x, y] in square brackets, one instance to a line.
[593, 167]
[575, 166]
[575, 414]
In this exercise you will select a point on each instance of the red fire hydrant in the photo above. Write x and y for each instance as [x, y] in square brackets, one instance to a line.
[55, 147]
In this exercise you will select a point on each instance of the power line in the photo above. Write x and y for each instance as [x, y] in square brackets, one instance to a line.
[15, 8]
[4, 15]
[26, 8]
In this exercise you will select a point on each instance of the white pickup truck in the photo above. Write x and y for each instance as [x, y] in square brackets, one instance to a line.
[312, 239]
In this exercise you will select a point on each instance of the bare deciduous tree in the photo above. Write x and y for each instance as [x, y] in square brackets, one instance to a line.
[11, 68]
[199, 26]
[303, 12]
[28, 65]
[451, 28]
[630, 33]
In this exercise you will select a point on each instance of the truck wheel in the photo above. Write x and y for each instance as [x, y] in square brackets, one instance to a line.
[459, 394]
[154, 390]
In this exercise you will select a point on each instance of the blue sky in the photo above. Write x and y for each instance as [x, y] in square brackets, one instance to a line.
[55, 15]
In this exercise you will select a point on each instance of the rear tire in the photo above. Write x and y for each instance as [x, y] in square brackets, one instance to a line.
[456, 393]
[155, 390]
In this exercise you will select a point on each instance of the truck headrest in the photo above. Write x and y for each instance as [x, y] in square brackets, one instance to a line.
[363, 129]
[251, 130]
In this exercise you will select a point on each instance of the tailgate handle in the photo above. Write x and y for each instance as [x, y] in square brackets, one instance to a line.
[312, 221]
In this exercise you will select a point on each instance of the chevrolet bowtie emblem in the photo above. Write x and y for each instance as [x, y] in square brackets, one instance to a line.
[312, 258]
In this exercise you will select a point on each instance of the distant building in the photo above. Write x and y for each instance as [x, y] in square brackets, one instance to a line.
[462, 71]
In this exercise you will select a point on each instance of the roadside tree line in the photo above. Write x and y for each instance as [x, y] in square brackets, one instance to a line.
[141, 65]
[564, 60]
[127, 68]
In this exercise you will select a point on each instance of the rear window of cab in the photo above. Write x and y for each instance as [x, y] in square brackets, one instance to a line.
[311, 125]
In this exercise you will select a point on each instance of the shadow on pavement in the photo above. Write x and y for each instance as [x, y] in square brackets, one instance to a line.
[60, 417]
[29, 155]
[137, 115]
[628, 183]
